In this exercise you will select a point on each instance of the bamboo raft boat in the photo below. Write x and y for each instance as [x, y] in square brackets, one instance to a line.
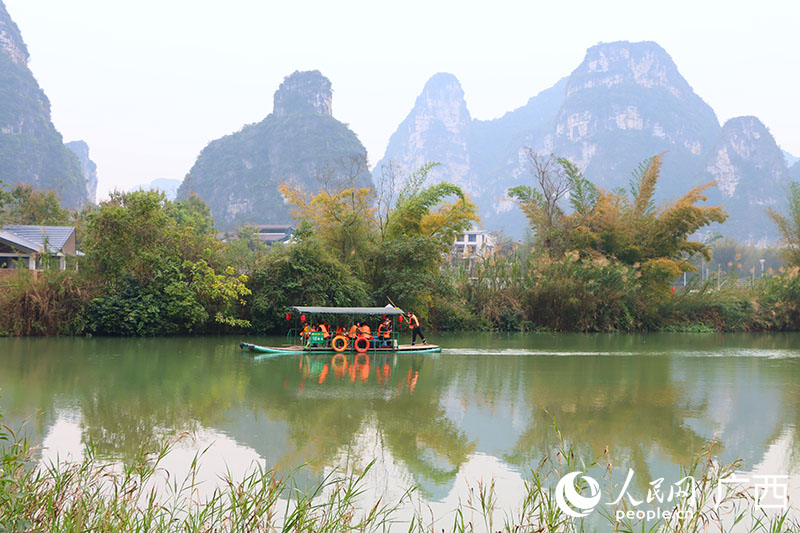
[316, 343]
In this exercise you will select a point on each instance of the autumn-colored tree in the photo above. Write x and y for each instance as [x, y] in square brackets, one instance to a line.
[393, 239]
[556, 178]
[425, 212]
[657, 239]
[626, 225]
[340, 213]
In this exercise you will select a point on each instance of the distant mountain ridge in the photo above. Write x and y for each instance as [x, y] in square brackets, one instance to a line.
[168, 186]
[31, 150]
[239, 174]
[624, 103]
[88, 168]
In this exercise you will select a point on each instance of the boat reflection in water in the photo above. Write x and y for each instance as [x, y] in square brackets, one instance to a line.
[359, 367]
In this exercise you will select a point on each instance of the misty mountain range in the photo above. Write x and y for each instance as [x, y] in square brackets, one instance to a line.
[624, 103]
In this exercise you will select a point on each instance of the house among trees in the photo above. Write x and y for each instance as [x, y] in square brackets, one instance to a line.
[31, 246]
[266, 233]
[474, 242]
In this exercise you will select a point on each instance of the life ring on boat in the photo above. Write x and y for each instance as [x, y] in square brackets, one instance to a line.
[361, 345]
[339, 343]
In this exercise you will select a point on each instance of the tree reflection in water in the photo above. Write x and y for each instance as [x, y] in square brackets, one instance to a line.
[653, 401]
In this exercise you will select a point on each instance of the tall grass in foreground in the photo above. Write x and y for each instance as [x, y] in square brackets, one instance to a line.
[94, 495]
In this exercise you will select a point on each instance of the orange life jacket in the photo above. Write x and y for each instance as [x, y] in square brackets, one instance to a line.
[353, 332]
[385, 330]
[324, 331]
[413, 321]
[365, 331]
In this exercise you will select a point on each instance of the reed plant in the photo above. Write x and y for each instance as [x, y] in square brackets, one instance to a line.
[44, 303]
[97, 495]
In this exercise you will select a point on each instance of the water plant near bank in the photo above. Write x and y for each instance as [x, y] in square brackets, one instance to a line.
[99, 495]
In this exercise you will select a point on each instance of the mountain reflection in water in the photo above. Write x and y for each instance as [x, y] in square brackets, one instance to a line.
[485, 406]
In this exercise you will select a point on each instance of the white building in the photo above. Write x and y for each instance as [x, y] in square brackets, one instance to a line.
[475, 242]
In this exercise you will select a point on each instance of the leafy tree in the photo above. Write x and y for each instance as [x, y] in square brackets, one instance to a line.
[134, 234]
[192, 213]
[243, 251]
[556, 178]
[219, 294]
[626, 225]
[157, 262]
[341, 213]
[424, 211]
[789, 224]
[5, 197]
[24, 205]
[654, 238]
[304, 273]
[408, 270]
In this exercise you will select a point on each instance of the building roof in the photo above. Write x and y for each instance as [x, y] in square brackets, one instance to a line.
[273, 237]
[56, 236]
[388, 310]
[273, 228]
[19, 242]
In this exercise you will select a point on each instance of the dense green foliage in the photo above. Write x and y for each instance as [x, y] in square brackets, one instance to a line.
[301, 274]
[152, 267]
[157, 264]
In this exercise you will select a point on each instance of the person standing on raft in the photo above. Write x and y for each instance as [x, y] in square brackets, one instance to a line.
[413, 323]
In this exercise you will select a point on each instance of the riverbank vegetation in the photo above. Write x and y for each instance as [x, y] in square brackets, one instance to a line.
[596, 261]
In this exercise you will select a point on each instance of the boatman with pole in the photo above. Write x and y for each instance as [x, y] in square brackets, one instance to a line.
[413, 323]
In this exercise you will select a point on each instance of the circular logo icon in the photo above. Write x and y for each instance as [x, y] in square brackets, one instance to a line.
[569, 500]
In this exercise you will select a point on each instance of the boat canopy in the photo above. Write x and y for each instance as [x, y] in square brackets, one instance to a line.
[388, 310]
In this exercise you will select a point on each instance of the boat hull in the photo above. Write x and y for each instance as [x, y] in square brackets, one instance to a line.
[285, 350]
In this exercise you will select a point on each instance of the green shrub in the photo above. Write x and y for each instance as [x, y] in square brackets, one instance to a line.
[299, 274]
[135, 309]
[580, 294]
[779, 301]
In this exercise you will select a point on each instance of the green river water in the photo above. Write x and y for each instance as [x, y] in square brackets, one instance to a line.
[482, 408]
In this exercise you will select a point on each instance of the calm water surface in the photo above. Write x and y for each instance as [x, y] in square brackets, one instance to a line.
[483, 407]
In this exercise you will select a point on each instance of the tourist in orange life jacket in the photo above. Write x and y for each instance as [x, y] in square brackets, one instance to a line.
[354, 331]
[323, 327]
[385, 330]
[413, 323]
[365, 331]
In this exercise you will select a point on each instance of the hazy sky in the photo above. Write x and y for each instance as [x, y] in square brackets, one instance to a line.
[147, 84]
